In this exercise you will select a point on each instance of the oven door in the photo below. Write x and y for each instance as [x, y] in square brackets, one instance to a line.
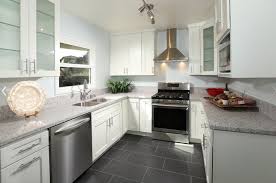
[170, 118]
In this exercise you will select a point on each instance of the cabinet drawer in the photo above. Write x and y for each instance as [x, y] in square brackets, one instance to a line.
[106, 112]
[23, 148]
[31, 169]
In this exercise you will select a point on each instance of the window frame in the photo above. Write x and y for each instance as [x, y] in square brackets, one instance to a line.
[91, 66]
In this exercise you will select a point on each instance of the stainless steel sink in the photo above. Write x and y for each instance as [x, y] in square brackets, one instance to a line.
[91, 103]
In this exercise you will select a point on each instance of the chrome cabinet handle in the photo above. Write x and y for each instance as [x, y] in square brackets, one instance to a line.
[34, 65]
[28, 148]
[25, 65]
[26, 165]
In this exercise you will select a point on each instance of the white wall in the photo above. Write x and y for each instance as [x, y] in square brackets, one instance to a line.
[76, 29]
[264, 89]
[176, 72]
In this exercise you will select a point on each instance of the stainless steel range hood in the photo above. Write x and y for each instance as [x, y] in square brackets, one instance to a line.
[171, 54]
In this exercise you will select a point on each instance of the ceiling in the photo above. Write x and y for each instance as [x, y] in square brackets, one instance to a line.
[123, 15]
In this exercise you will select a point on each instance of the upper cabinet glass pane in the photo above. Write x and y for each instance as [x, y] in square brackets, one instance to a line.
[45, 35]
[9, 35]
[10, 12]
[46, 7]
[70, 54]
[208, 49]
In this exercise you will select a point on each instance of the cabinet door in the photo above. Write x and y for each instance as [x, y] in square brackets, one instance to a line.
[145, 116]
[13, 38]
[119, 55]
[32, 169]
[194, 49]
[225, 15]
[208, 58]
[196, 120]
[135, 54]
[133, 117]
[125, 106]
[116, 127]
[148, 53]
[100, 136]
[44, 24]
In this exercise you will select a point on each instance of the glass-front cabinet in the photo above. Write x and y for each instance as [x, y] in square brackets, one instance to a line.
[208, 50]
[29, 38]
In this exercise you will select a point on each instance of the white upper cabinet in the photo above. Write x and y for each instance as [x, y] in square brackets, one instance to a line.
[148, 40]
[222, 18]
[118, 55]
[132, 54]
[209, 51]
[28, 46]
[194, 49]
[202, 49]
[252, 35]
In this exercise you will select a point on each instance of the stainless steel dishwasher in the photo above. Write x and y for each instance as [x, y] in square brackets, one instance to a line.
[71, 149]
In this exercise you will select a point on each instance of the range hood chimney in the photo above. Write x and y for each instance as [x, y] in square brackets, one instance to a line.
[171, 54]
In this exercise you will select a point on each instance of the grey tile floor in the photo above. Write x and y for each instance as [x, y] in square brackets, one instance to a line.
[137, 159]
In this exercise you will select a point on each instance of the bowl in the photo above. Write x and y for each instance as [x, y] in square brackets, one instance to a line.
[215, 91]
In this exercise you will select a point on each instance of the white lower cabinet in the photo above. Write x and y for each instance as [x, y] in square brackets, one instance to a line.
[145, 115]
[197, 118]
[107, 128]
[100, 138]
[125, 107]
[26, 161]
[115, 126]
[134, 115]
[32, 169]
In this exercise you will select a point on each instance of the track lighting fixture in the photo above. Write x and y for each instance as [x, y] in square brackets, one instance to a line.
[148, 8]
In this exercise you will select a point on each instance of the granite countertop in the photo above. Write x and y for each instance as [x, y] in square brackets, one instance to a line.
[237, 121]
[219, 119]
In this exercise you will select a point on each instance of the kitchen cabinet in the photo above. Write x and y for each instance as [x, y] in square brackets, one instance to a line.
[197, 118]
[29, 45]
[209, 50]
[107, 128]
[26, 160]
[116, 126]
[148, 42]
[145, 115]
[32, 169]
[132, 54]
[251, 47]
[202, 49]
[125, 115]
[243, 157]
[194, 48]
[222, 18]
[134, 115]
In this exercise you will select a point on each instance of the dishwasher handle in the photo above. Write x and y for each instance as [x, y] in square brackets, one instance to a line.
[73, 126]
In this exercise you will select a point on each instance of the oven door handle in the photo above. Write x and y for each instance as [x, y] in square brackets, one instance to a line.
[171, 105]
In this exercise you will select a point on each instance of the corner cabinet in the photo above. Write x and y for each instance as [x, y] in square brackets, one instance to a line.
[202, 49]
[28, 46]
[132, 54]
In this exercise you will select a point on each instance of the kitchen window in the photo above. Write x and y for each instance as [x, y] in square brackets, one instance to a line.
[76, 65]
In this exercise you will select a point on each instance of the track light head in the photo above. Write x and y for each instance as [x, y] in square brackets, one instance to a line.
[148, 7]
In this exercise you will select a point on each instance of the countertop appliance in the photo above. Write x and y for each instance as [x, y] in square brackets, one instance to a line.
[171, 112]
[71, 149]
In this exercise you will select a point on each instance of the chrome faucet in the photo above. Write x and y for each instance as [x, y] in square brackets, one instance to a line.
[84, 93]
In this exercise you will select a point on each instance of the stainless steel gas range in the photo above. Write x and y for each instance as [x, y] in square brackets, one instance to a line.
[170, 109]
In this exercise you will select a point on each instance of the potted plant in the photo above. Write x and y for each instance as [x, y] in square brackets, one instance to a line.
[122, 86]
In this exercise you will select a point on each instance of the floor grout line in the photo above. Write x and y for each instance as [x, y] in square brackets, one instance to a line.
[144, 174]
[163, 164]
[113, 175]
